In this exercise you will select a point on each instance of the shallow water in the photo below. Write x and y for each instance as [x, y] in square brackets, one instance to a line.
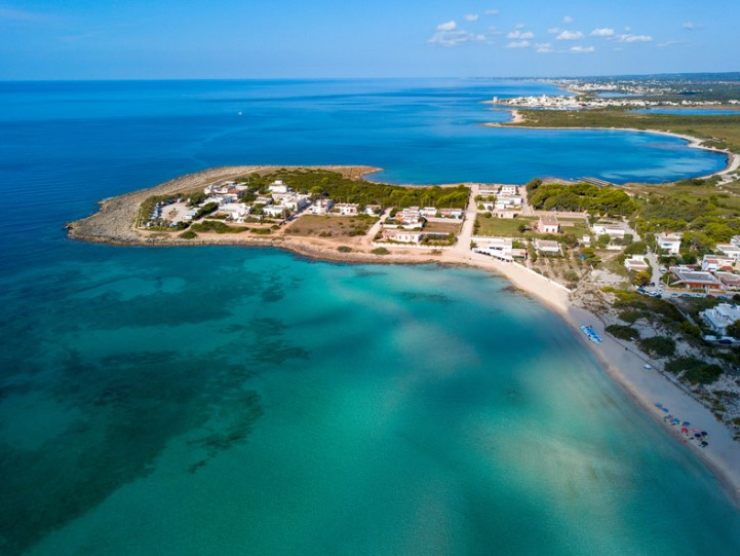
[231, 401]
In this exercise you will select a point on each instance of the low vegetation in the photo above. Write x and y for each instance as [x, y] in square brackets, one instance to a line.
[345, 190]
[694, 370]
[623, 332]
[658, 346]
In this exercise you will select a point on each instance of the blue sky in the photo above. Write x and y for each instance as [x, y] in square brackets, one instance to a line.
[99, 39]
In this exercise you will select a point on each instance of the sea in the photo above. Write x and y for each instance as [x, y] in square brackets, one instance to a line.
[231, 401]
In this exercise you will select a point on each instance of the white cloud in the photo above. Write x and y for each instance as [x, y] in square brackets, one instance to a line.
[554, 30]
[447, 26]
[569, 36]
[520, 35]
[602, 32]
[634, 38]
[543, 47]
[690, 26]
[449, 35]
[471, 17]
[582, 49]
[666, 44]
[492, 11]
[518, 44]
[519, 26]
[567, 19]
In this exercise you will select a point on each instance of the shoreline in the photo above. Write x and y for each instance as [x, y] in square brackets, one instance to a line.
[733, 159]
[113, 224]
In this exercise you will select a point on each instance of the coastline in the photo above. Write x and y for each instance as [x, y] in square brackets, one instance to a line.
[733, 159]
[114, 224]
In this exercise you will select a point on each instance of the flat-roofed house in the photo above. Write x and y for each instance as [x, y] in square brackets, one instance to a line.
[611, 229]
[548, 225]
[718, 318]
[547, 246]
[274, 211]
[730, 281]
[729, 250]
[347, 209]
[694, 279]
[279, 187]
[670, 242]
[321, 206]
[402, 236]
[713, 263]
[636, 263]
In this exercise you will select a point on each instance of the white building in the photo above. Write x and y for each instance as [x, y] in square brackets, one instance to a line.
[729, 249]
[274, 211]
[278, 187]
[428, 212]
[508, 202]
[509, 190]
[235, 211]
[713, 263]
[636, 263]
[347, 209]
[454, 213]
[402, 236]
[613, 230]
[547, 246]
[669, 242]
[548, 225]
[321, 206]
[373, 210]
[720, 317]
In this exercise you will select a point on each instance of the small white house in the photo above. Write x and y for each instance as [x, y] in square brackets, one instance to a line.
[509, 190]
[729, 249]
[274, 211]
[454, 213]
[614, 231]
[402, 236]
[548, 225]
[547, 246]
[278, 187]
[235, 211]
[713, 263]
[428, 212]
[669, 242]
[321, 206]
[636, 263]
[373, 210]
[718, 318]
[347, 209]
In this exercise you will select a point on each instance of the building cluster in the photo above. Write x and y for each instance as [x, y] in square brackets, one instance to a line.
[502, 201]
[410, 225]
[560, 102]
[714, 273]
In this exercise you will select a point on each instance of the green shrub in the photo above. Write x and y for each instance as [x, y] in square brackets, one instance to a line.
[706, 374]
[658, 346]
[344, 249]
[380, 251]
[188, 234]
[623, 332]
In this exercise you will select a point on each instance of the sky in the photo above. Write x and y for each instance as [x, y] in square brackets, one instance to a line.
[179, 39]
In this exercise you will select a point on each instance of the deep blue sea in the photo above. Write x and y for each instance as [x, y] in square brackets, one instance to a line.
[244, 401]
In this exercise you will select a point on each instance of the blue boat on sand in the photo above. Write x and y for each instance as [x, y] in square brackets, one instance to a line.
[591, 334]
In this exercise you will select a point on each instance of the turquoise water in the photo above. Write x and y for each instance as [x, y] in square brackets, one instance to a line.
[232, 401]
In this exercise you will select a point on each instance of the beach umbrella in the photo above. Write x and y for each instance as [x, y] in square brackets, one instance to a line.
[685, 423]
[665, 409]
[659, 405]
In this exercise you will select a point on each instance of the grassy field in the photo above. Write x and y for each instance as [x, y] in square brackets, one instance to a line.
[716, 131]
[505, 227]
[330, 226]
